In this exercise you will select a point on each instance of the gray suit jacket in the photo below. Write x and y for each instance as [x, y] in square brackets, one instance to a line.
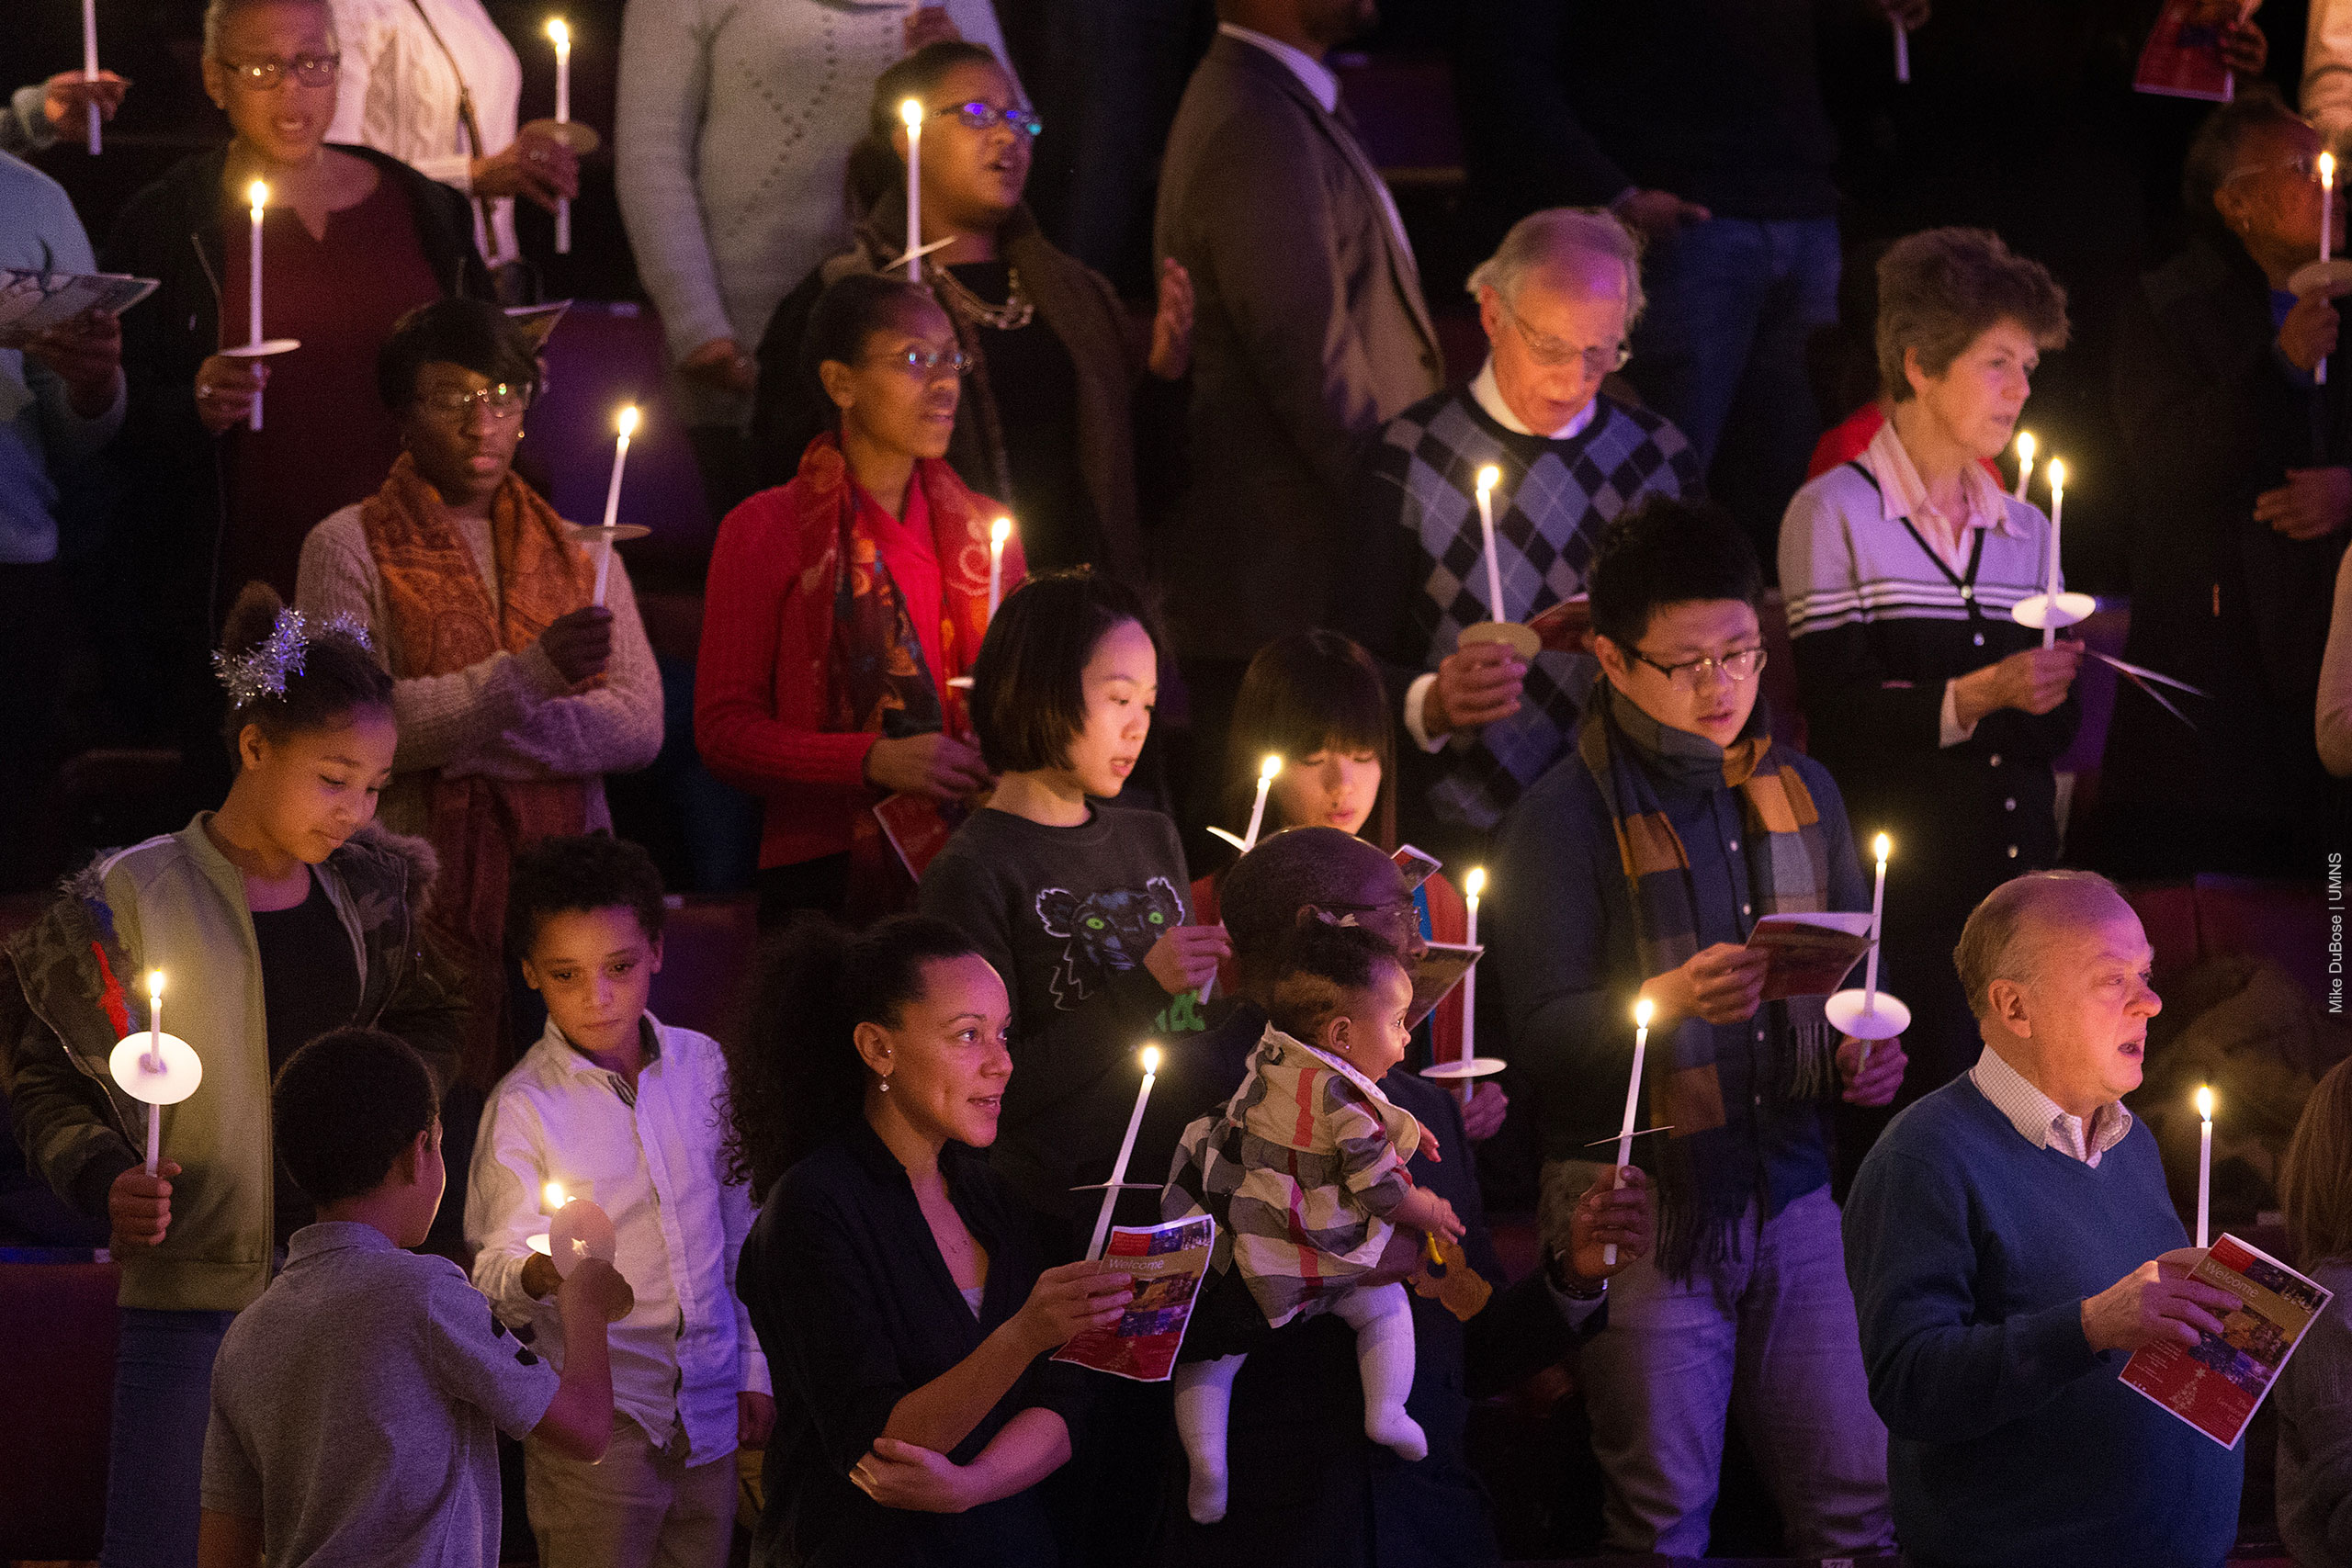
[1310, 334]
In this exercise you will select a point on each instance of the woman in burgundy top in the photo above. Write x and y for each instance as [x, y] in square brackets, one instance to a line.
[840, 606]
[351, 240]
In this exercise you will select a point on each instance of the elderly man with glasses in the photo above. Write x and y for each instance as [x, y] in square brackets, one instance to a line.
[1637, 869]
[1558, 302]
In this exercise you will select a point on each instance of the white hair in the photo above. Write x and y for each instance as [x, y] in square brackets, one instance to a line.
[1542, 237]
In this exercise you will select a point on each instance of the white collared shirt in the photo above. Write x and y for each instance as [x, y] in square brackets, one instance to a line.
[2041, 1121]
[652, 1159]
[1324, 88]
[1488, 395]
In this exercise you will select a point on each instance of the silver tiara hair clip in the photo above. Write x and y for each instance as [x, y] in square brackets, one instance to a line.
[262, 671]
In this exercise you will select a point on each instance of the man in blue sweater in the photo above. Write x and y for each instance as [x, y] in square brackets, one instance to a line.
[2003, 1240]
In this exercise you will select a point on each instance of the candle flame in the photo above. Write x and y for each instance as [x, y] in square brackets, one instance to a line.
[911, 112]
[1882, 847]
[2057, 474]
[555, 1194]
[2025, 447]
[1642, 1012]
[628, 422]
[1150, 1060]
[258, 196]
[2205, 1102]
[1001, 530]
[559, 33]
[1474, 885]
[1490, 477]
[1268, 768]
[155, 984]
[2327, 171]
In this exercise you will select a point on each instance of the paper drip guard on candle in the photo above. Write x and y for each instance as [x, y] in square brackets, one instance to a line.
[2072, 608]
[2332, 278]
[266, 348]
[174, 1080]
[581, 139]
[579, 1230]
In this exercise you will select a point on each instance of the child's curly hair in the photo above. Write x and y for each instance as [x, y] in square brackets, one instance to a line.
[1321, 964]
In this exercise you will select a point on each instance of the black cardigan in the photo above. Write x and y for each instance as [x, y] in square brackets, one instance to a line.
[171, 232]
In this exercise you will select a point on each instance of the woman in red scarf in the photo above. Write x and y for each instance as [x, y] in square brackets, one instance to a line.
[841, 605]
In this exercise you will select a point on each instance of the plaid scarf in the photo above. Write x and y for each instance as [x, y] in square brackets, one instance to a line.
[1706, 1173]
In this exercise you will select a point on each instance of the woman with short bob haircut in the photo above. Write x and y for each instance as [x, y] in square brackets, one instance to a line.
[1939, 715]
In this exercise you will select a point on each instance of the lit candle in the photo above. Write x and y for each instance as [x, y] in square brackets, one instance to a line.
[2057, 511]
[1266, 772]
[90, 65]
[1488, 478]
[1642, 1013]
[153, 1062]
[999, 532]
[1126, 1148]
[1902, 51]
[2025, 461]
[1473, 887]
[552, 1198]
[911, 112]
[2204, 1164]
[627, 423]
[560, 35]
[258, 194]
[2326, 234]
[1881, 845]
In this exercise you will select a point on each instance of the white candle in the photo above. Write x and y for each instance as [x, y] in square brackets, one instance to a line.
[2204, 1164]
[1266, 772]
[560, 35]
[1126, 1148]
[1472, 887]
[999, 531]
[153, 1062]
[258, 194]
[2057, 512]
[1633, 1103]
[90, 65]
[2025, 462]
[1902, 51]
[552, 1198]
[2326, 234]
[1880, 847]
[1490, 477]
[627, 423]
[911, 112]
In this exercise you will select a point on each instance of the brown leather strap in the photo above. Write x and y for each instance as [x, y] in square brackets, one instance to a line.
[465, 117]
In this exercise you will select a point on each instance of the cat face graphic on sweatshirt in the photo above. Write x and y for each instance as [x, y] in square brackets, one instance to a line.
[1107, 934]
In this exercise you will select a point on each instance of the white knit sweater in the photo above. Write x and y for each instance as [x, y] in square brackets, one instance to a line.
[734, 126]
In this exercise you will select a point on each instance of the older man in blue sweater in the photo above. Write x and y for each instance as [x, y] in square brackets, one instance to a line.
[2003, 1240]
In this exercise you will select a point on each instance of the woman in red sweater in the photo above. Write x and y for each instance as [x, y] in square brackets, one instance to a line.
[1316, 700]
[842, 605]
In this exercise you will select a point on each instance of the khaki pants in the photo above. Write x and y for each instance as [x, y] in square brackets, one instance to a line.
[638, 1507]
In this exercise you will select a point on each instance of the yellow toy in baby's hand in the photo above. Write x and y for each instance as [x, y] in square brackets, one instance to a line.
[1447, 1279]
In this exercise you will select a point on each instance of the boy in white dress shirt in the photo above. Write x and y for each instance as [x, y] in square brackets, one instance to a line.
[614, 1106]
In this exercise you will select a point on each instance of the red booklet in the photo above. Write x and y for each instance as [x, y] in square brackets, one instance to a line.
[2217, 1386]
[1811, 954]
[2183, 57]
[1566, 626]
[1166, 1262]
[919, 828]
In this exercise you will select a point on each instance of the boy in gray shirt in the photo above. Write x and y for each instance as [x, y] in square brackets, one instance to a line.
[353, 1404]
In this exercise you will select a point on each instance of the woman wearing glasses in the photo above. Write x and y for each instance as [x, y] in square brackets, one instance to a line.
[1048, 421]
[1557, 300]
[351, 240]
[1939, 715]
[842, 605]
[515, 694]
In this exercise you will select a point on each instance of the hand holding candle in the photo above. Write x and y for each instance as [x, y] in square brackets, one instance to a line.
[1127, 1151]
[2204, 1164]
[626, 424]
[156, 1068]
[910, 115]
[1642, 1015]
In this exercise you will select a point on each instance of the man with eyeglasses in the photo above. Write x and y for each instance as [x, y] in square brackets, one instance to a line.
[1637, 869]
[1557, 300]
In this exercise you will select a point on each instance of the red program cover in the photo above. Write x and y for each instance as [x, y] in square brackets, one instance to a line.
[919, 828]
[2183, 59]
[1167, 1262]
[2217, 1386]
[1811, 954]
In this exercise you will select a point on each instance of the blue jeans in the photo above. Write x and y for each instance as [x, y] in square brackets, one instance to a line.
[163, 1401]
[1721, 351]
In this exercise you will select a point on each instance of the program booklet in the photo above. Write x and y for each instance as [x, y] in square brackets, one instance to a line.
[1566, 626]
[917, 827]
[1811, 954]
[1434, 977]
[32, 302]
[1166, 1262]
[2217, 1386]
[2183, 57]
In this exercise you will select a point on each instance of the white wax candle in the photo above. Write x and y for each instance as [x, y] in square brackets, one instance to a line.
[2326, 234]
[997, 533]
[153, 1062]
[90, 65]
[561, 35]
[2204, 1164]
[1266, 772]
[1878, 918]
[2057, 513]
[1633, 1103]
[1126, 1148]
[911, 113]
[1901, 52]
[1490, 477]
[258, 193]
[627, 423]
[2025, 462]
[1474, 887]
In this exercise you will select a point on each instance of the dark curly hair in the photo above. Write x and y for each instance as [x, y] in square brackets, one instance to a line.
[1322, 963]
[795, 1079]
[338, 676]
[344, 1107]
[592, 870]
